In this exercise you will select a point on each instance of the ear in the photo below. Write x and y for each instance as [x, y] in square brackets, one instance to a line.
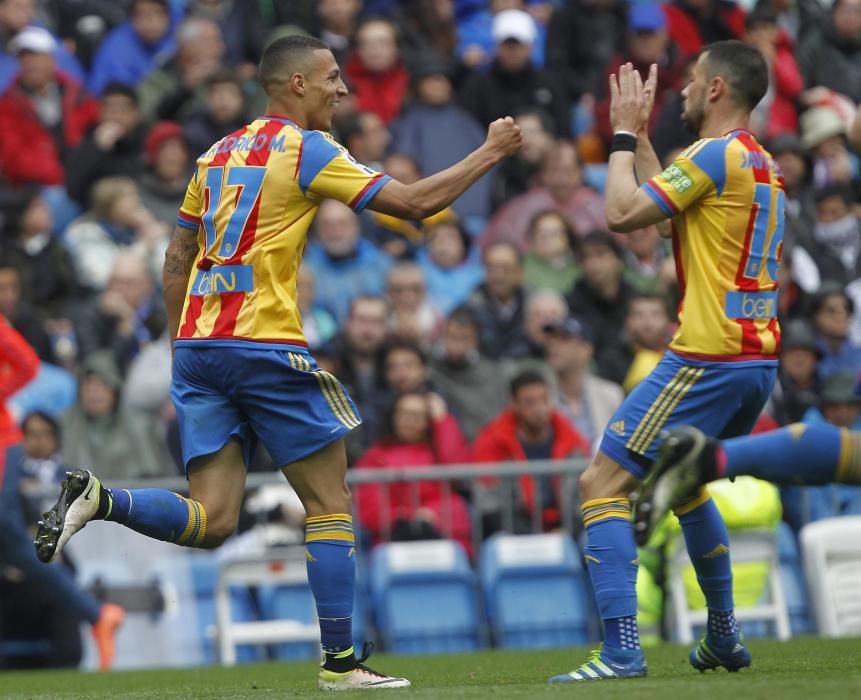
[717, 88]
[297, 83]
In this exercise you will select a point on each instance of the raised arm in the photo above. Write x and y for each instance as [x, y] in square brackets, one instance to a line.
[178, 262]
[434, 193]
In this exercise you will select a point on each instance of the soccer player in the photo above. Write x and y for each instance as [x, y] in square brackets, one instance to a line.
[725, 201]
[241, 368]
[797, 455]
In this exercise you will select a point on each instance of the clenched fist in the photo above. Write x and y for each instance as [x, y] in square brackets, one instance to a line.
[503, 137]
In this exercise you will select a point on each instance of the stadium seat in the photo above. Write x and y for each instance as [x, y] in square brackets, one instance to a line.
[535, 591]
[832, 562]
[424, 598]
[794, 584]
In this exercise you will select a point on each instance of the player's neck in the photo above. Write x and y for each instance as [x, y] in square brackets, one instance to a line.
[719, 124]
[279, 109]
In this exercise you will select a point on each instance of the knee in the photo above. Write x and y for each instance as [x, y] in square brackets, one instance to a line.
[603, 480]
[589, 484]
[220, 525]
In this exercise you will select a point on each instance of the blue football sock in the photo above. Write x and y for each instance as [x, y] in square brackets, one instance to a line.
[157, 513]
[797, 455]
[330, 543]
[722, 624]
[611, 556]
[707, 541]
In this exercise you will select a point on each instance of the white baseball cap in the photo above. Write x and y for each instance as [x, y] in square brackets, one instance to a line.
[513, 24]
[35, 39]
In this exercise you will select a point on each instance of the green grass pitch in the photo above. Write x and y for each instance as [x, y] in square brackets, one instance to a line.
[806, 669]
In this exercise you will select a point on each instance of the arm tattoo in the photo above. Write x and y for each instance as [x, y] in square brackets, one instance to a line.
[180, 254]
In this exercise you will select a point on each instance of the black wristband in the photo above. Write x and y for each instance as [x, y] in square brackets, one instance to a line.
[623, 141]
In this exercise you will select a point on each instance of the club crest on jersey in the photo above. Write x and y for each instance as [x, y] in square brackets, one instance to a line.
[678, 178]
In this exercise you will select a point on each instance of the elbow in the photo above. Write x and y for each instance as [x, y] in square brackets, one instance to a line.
[617, 224]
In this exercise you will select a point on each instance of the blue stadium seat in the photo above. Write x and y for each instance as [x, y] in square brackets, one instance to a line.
[535, 589]
[204, 574]
[794, 583]
[424, 598]
[293, 602]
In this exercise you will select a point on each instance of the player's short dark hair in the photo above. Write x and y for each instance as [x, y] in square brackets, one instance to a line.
[742, 67]
[527, 377]
[118, 89]
[283, 55]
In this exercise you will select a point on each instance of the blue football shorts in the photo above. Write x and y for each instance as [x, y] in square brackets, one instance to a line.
[276, 393]
[723, 399]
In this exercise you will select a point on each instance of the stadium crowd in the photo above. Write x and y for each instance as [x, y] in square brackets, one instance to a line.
[506, 328]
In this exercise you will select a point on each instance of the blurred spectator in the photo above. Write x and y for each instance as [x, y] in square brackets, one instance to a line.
[499, 301]
[549, 262]
[397, 237]
[114, 146]
[693, 24]
[777, 112]
[318, 325]
[515, 175]
[646, 43]
[356, 351]
[471, 382]
[797, 386]
[797, 18]
[430, 26]
[648, 261]
[403, 366]
[48, 283]
[338, 25]
[223, 113]
[106, 437]
[601, 296]
[18, 314]
[543, 308]
[417, 431]
[116, 220]
[512, 81]
[831, 56]
[581, 37]
[365, 137]
[344, 264]
[438, 132]
[587, 401]
[476, 38]
[242, 27]
[411, 315]
[16, 15]
[377, 76]
[647, 333]
[530, 429]
[165, 179]
[451, 264]
[126, 316]
[823, 133]
[832, 316]
[795, 166]
[670, 133]
[41, 465]
[179, 87]
[561, 189]
[831, 249]
[44, 109]
[132, 51]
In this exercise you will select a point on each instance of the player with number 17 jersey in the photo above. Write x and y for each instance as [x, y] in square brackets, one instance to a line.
[726, 201]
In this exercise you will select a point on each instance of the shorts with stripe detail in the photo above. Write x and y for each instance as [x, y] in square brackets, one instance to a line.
[277, 394]
[723, 399]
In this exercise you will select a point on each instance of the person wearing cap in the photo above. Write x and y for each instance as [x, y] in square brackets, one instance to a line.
[601, 295]
[832, 318]
[586, 400]
[824, 135]
[43, 114]
[512, 81]
[437, 131]
[168, 163]
[646, 42]
[831, 56]
[134, 49]
[475, 39]
[114, 146]
[797, 387]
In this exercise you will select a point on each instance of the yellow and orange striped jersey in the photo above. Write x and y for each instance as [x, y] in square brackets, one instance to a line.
[252, 200]
[725, 197]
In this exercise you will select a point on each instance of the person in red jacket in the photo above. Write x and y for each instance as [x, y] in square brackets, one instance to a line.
[531, 429]
[18, 366]
[694, 23]
[376, 74]
[43, 113]
[418, 432]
